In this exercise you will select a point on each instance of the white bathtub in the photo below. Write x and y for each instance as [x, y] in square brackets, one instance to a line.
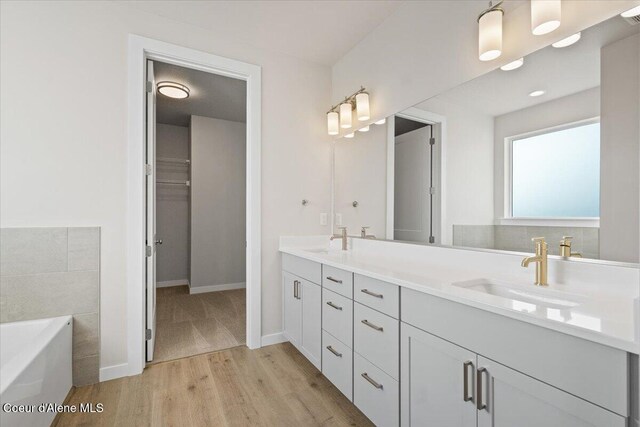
[35, 368]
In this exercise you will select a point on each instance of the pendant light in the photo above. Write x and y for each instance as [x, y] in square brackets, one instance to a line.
[364, 129]
[513, 65]
[350, 135]
[381, 122]
[567, 41]
[631, 12]
[490, 32]
[345, 115]
[333, 124]
[362, 106]
[545, 16]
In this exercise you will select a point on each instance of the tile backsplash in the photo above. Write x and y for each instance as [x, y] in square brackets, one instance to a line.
[48, 272]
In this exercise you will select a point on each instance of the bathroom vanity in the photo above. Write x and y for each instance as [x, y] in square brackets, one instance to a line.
[418, 335]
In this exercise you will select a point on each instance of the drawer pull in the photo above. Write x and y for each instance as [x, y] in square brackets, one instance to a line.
[373, 294]
[331, 349]
[296, 289]
[371, 325]
[465, 374]
[330, 304]
[334, 280]
[371, 380]
[479, 401]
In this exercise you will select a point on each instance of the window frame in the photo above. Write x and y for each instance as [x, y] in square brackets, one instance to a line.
[508, 217]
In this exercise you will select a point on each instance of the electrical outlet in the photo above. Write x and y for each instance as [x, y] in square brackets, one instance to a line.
[338, 219]
[323, 219]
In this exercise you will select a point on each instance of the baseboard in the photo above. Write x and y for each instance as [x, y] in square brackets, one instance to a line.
[215, 288]
[170, 283]
[271, 339]
[115, 371]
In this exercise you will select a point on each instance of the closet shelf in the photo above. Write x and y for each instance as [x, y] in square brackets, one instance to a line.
[173, 182]
[173, 160]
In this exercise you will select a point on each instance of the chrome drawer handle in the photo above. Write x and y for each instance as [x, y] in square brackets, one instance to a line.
[479, 401]
[373, 294]
[333, 351]
[330, 304]
[465, 374]
[334, 280]
[371, 380]
[371, 325]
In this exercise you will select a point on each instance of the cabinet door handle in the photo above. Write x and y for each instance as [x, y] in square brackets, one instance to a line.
[371, 380]
[334, 280]
[332, 350]
[465, 374]
[296, 289]
[479, 401]
[373, 294]
[330, 304]
[371, 325]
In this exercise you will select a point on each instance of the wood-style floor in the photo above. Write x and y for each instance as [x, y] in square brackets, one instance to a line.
[271, 386]
[187, 325]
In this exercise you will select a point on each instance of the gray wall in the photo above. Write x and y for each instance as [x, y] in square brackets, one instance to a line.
[620, 141]
[218, 202]
[49, 272]
[172, 205]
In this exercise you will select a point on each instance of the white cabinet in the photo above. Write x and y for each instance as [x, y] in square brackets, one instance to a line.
[437, 381]
[292, 309]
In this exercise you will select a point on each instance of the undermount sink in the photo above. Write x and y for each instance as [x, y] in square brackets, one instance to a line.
[318, 250]
[531, 295]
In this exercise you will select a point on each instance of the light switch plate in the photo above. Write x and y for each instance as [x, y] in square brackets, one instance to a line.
[323, 219]
[338, 219]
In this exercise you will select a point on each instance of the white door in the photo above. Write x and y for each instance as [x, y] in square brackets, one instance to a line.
[437, 380]
[510, 398]
[311, 321]
[292, 308]
[151, 211]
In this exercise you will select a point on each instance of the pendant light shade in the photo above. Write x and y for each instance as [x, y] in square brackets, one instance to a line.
[345, 115]
[362, 106]
[381, 121]
[490, 33]
[364, 129]
[545, 16]
[333, 125]
[631, 12]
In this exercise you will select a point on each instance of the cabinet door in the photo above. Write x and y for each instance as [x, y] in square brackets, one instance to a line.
[311, 295]
[509, 398]
[433, 376]
[292, 308]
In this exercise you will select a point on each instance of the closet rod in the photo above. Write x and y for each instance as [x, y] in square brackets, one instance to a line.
[173, 160]
[173, 182]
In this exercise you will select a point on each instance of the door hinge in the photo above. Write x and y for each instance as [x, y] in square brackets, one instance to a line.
[432, 141]
[148, 169]
[149, 251]
[149, 86]
[432, 239]
[432, 190]
[147, 334]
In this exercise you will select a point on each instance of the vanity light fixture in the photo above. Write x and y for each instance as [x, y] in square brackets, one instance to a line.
[381, 122]
[362, 106]
[545, 16]
[364, 129]
[350, 135]
[341, 115]
[631, 12]
[333, 123]
[173, 90]
[345, 115]
[567, 41]
[490, 32]
[513, 65]
[536, 93]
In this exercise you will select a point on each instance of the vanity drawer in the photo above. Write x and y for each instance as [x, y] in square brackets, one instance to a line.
[337, 316]
[337, 364]
[377, 294]
[375, 393]
[312, 271]
[376, 337]
[337, 280]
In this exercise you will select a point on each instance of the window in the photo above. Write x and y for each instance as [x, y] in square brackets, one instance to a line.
[556, 174]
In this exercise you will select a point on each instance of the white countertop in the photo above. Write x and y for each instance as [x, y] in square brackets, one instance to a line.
[604, 318]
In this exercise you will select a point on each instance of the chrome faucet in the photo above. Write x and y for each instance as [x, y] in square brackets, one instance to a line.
[565, 248]
[343, 236]
[540, 258]
[364, 235]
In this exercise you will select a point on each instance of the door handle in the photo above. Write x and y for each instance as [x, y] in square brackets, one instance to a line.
[371, 380]
[373, 294]
[465, 375]
[334, 280]
[330, 304]
[371, 325]
[479, 400]
[159, 242]
[332, 350]
[296, 289]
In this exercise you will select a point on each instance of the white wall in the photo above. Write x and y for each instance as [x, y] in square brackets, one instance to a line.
[620, 144]
[426, 48]
[63, 79]
[218, 201]
[568, 109]
[172, 204]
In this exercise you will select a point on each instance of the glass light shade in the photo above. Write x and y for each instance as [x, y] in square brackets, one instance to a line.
[513, 65]
[345, 115]
[173, 90]
[333, 125]
[350, 135]
[362, 106]
[545, 16]
[364, 129]
[490, 35]
[381, 122]
[567, 41]
[631, 12]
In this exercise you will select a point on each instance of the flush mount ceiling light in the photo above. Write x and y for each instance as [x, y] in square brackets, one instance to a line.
[490, 32]
[513, 65]
[341, 115]
[173, 90]
[631, 12]
[545, 16]
[536, 93]
[567, 41]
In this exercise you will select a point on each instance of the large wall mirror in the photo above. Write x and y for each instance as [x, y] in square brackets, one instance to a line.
[547, 146]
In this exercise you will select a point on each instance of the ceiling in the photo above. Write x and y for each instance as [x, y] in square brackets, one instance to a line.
[210, 95]
[317, 31]
[559, 72]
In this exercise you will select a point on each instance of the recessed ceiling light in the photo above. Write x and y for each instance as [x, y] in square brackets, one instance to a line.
[536, 93]
[513, 65]
[381, 122]
[568, 41]
[173, 90]
[631, 12]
